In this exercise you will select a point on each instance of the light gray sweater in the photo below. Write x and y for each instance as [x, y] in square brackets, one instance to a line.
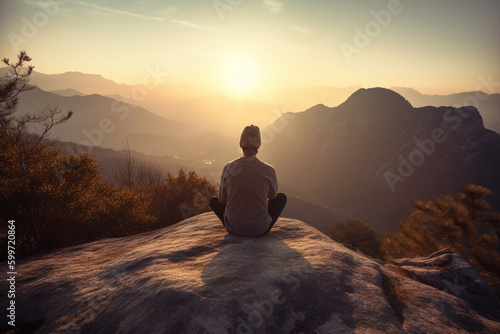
[246, 185]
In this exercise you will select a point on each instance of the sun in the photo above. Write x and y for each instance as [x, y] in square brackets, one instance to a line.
[240, 74]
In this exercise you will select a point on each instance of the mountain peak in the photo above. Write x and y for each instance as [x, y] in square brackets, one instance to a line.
[317, 108]
[378, 98]
[194, 277]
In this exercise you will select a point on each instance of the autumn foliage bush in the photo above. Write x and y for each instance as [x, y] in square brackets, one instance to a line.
[356, 234]
[181, 196]
[463, 223]
[59, 200]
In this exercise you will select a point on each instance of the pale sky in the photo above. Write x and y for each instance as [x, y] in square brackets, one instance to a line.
[434, 46]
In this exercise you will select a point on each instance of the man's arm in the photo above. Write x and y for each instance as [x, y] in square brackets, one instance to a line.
[273, 188]
[223, 186]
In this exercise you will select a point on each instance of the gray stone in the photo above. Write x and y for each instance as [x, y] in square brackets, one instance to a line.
[451, 273]
[193, 277]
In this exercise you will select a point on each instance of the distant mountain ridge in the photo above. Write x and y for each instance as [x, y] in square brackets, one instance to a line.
[374, 153]
[98, 120]
[184, 102]
[201, 107]
[67, 92]
[102, 121]
[82, 82]
[487, 104]
[97, 84]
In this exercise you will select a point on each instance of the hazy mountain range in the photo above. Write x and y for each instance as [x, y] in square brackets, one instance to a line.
[99, 120]
[201, 109]
[487, 104]
[166, 98]
[343, 161]
[374, 153]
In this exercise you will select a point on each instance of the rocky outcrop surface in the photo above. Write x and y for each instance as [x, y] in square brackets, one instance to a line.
[193, 277]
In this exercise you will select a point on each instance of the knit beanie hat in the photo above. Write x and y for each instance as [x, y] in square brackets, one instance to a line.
[250, 137]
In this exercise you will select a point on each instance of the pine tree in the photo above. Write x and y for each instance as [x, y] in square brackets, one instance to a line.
[25, 132]
[356, 234]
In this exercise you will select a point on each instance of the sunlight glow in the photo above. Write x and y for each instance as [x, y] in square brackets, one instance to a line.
[240, 75]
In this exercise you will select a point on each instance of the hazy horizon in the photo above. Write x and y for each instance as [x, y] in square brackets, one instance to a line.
[247, 48]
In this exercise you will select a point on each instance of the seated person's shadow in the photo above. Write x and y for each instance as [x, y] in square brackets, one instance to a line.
[262, 282]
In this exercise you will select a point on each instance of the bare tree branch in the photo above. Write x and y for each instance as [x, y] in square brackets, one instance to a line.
[25, 132]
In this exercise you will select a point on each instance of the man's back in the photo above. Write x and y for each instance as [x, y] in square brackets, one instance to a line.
[249, 203]
[246, 185]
